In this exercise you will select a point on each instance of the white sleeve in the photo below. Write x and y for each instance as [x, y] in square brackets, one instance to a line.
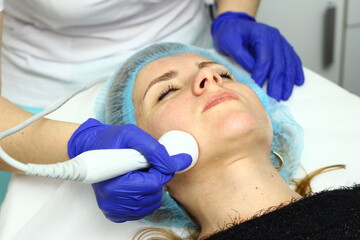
[1, 5]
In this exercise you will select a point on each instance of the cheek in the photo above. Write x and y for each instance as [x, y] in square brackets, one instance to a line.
[170, 116]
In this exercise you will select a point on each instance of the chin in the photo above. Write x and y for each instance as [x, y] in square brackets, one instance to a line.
[239, 123]
[241, 129]
[231, 134]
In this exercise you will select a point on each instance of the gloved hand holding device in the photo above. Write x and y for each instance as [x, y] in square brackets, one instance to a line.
[259, 49]
[136, 194]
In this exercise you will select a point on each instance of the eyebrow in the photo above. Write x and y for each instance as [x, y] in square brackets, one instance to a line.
[172, 74]
[205, 64]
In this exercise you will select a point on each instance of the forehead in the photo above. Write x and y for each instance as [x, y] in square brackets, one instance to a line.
[175, 62]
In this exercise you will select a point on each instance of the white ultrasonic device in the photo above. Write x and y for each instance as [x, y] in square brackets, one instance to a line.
[99, 165]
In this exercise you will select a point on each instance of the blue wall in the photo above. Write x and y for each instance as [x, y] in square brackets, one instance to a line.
[4, 180]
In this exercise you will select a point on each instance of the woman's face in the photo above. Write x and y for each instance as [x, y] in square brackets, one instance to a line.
[191, 93]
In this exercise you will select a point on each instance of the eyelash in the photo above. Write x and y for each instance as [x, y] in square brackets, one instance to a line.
[226, 74]
[165, 92]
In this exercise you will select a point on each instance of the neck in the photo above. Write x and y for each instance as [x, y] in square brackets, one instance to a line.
[236, 193]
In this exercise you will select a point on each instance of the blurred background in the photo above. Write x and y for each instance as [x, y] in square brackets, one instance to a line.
[325, 33]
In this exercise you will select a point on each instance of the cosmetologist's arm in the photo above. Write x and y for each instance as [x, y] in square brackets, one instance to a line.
[248, 6]
[44, 141]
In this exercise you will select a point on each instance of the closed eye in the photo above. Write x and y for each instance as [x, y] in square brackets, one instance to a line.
[164, 93]
[226, 74]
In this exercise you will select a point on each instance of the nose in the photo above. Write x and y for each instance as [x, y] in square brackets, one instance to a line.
[206, 78]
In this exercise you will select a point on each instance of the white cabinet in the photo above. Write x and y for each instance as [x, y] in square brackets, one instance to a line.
[302, 22]
[351, 66]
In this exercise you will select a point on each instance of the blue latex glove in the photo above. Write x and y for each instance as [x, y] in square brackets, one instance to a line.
[136, 194]
[259, 49]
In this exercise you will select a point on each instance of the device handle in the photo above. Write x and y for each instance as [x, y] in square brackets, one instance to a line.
[105, 164]
[99, 165]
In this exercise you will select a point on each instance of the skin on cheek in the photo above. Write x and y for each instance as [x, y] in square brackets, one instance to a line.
[174, 114]
[163, 122]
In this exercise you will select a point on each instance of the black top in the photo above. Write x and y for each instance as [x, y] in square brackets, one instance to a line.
[326, 215]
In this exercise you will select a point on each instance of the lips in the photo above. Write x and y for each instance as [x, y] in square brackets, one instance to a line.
[218, 98]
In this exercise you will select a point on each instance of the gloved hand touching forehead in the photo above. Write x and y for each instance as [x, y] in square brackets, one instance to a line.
[136, 194]
[259, 49]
